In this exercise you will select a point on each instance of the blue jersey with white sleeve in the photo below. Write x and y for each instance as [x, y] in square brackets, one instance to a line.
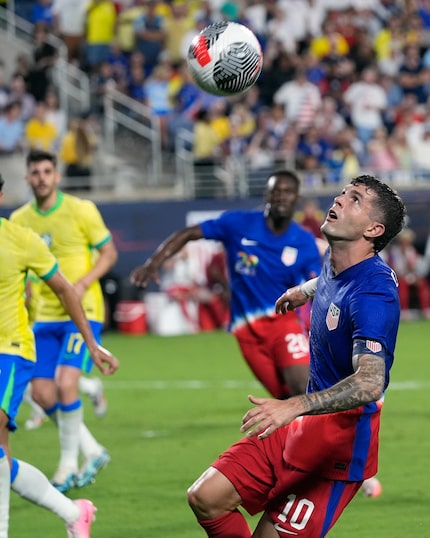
[261, 263]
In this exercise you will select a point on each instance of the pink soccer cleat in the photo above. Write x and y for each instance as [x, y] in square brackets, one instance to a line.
[81, 527]
[371, 487]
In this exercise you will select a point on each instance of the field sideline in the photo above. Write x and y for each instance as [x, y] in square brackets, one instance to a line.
[177, 402]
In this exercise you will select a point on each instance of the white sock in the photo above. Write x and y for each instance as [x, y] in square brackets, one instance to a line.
[27, 398]
[4, 494]
[32, 484]
[88, 445]
[88, 386]
[69, 424]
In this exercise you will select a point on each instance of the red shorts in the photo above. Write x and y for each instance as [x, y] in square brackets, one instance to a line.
[271, 344]
[299, 503]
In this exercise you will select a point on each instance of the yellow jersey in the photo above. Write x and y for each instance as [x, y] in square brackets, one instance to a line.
[72, 229]
[21, 250]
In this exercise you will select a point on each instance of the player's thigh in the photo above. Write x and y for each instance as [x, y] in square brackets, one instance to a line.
[49, 340]
[289, 344]
[265, 528]
[306, 505]
[74, 352]
[16, 373]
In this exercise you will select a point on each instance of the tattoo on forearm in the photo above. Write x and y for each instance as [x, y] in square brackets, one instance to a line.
[364, 386]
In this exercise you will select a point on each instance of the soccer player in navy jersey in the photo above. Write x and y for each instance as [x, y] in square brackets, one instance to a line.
[267, 252]
[303, 459]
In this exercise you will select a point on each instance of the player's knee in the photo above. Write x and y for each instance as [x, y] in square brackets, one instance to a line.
[201, 502]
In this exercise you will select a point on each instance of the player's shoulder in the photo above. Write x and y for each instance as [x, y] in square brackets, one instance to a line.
[16, 231]
[21, 212]
[79, 206]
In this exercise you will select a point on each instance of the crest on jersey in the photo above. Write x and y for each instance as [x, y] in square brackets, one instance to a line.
[332, 318]
[246, 264]
[375, 347]
[289, 256]
[47, 239]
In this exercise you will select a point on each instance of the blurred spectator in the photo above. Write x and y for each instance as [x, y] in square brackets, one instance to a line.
[177, 25]
[343, 164]
[206, 153]
[102, 83]
[18, 92]
[388, 44]
[381, 157]
[411, 74]
[69, 22]
[330, 44]
[125, 25]
[328, 120]
[366, 100]
[77, 154]
[300, 98]
[39, 132]
[100, 32]
[401, 150]
[411, 270]
[56, 115]
[313, 142]
[418, 136]
[150, 34]
[11, 128]
[286, 157]
[39, 76]
[280, 28]
[312, 217]
[157, 98]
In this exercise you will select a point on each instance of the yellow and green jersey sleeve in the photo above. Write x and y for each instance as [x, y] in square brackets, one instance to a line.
[72, 229]
[21, 250]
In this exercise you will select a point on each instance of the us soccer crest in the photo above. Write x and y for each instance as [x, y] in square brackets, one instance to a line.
[289, 256]
[332, 318]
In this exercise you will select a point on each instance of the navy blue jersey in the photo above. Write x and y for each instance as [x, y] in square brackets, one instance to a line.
[261, 264]
[360, 302]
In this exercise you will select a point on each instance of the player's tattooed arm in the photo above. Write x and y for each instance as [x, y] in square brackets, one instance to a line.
[366, 385]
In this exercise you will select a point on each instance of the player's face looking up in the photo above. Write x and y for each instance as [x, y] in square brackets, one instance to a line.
[43, 178]
[352, 215]
[281, 197]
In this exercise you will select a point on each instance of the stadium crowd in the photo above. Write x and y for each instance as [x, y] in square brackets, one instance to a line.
[345, 84]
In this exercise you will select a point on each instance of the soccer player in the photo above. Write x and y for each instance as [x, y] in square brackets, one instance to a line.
[303, 459]
[21, 250]
[72, 228]
[267, 252]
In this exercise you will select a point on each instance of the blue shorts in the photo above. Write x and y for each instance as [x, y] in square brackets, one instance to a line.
[59, 343]
[15, 374]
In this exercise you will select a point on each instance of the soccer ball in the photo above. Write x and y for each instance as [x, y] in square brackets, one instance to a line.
[225, 58]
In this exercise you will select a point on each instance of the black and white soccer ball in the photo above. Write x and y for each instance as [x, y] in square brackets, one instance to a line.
[225, 58]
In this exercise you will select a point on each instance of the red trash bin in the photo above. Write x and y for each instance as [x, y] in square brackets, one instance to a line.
[130, 317]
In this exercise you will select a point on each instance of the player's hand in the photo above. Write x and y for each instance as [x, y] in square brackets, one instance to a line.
[268, 416]
[290, 300]
[104, 360]
[143, 274]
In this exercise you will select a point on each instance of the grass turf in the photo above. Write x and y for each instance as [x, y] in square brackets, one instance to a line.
[177, 402]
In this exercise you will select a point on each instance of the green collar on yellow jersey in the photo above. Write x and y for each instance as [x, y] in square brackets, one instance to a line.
[57, 204]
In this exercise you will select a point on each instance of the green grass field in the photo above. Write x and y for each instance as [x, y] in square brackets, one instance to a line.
[177, 402]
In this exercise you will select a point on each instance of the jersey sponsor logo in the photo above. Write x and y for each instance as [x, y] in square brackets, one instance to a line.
[332, 318]
[375, 347]
[248, 242]
[47, 238]
[289, 256]
[246, 263]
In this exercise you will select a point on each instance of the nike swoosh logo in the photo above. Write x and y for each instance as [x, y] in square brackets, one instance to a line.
[280, 529]
[248, 242]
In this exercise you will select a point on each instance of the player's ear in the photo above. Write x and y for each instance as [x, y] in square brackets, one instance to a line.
[375, 229]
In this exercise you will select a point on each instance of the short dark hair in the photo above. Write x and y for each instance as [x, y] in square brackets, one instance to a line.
[1, 182]
[38, 155]
[390, 207]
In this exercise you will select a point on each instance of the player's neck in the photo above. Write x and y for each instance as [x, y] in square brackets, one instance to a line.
[45, 203]
[278, 225]
[346, 254]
